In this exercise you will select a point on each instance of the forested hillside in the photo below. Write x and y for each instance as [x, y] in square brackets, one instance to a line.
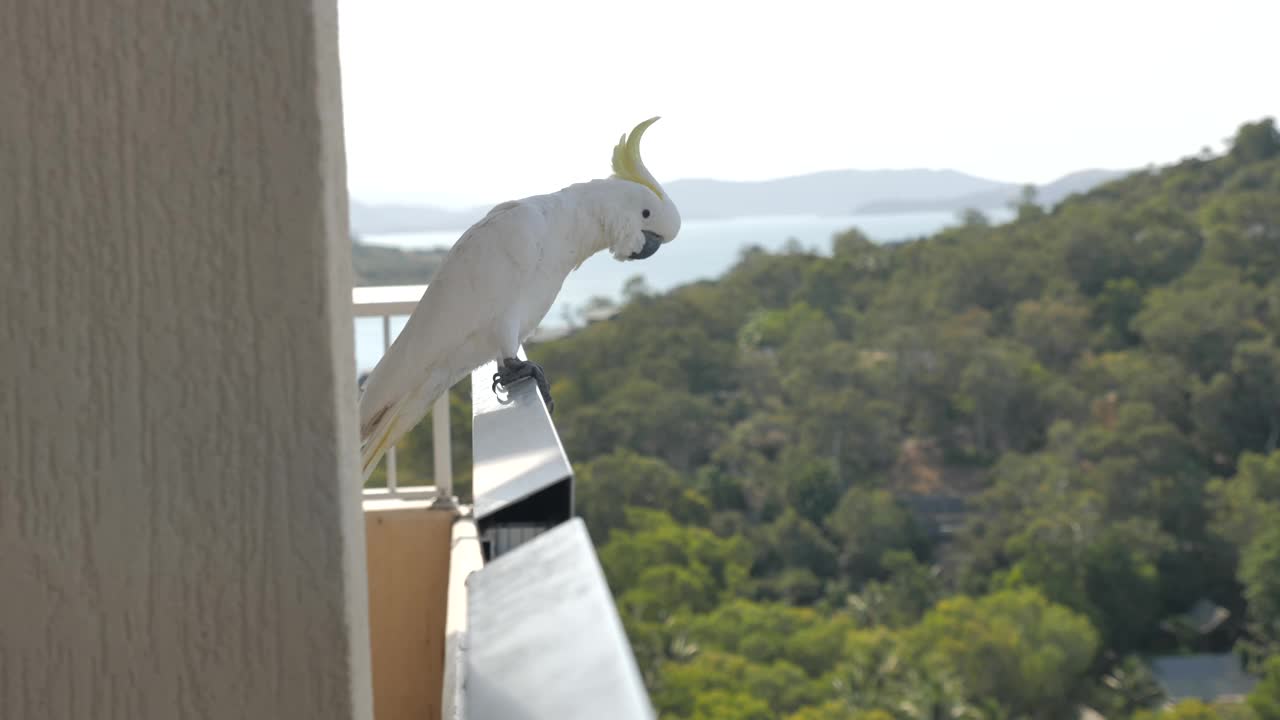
[978, 475]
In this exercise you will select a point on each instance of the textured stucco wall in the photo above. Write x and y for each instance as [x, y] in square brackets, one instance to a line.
[178, 534]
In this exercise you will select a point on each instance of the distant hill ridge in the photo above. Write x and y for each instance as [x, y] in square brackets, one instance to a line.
[1047, 195]
[834, 192]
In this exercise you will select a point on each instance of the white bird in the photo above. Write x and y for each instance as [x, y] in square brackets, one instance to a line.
[497, 283]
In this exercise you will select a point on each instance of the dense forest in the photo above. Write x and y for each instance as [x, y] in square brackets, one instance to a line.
[984, 474]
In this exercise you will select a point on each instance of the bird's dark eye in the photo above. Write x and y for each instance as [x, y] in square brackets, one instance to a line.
[644, 214]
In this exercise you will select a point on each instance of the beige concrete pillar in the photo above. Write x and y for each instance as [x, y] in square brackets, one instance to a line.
[179, 532]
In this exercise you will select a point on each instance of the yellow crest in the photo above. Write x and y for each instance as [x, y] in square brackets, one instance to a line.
[626, 159]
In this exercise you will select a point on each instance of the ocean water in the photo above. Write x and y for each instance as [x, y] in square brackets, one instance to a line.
[705, 249]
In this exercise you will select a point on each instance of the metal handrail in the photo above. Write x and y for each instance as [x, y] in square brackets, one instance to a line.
[543, 639]
[465, 558]
[525, 581]
[387, 302]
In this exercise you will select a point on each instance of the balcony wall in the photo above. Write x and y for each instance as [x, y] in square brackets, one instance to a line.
[408, 544]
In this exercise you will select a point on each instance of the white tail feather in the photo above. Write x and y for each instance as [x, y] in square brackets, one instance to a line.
[386, 426]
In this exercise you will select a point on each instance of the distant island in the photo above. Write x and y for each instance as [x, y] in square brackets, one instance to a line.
[836, 192]
[367, 219]
[377, 265]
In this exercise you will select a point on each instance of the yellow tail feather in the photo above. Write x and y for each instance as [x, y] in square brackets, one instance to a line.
[380, 443]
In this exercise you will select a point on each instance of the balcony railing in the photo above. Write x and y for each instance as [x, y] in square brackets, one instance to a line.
[463, 596]
[389, 307]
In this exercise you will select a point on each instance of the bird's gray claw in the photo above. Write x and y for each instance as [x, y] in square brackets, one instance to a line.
[514, 370]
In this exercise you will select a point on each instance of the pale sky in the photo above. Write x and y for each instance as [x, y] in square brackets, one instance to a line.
[461, 102]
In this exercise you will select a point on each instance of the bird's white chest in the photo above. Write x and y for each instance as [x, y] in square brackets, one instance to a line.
[542, 296]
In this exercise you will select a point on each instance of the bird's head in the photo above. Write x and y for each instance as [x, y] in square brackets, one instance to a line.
[645, 217]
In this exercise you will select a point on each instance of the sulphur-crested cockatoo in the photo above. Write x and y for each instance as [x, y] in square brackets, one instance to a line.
[498, 282]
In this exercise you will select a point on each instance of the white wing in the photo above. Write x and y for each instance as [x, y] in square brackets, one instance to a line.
[467, 317]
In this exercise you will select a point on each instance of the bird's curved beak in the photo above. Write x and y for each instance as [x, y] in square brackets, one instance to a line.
[652, 241]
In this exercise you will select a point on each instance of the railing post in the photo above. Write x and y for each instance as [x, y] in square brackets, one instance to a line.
[391, 452]
[443, 447]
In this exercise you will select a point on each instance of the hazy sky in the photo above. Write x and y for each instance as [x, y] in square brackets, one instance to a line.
[468, 102]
